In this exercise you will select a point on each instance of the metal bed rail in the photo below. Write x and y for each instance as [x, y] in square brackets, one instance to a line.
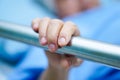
[92, 50]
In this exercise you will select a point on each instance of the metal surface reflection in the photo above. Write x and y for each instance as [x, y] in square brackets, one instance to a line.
[104, 53]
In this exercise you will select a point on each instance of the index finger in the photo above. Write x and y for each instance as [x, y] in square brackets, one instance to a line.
[69, 29]
[35, 24]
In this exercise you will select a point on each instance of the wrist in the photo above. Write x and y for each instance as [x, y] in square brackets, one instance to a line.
[58, 68]
[57, 73]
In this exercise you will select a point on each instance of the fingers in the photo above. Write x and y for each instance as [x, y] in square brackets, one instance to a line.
[64, 61]
[77, 62]
[35, 24]
[69, 60]
[53, 31]
[69, 29]
[43, 25]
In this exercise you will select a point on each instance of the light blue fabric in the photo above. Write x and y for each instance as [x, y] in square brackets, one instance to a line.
[102, 24]
[22, 11]
[32, 61]
[19, 12]
[31, 67]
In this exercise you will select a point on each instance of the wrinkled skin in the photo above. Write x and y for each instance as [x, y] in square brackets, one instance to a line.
[55, 34]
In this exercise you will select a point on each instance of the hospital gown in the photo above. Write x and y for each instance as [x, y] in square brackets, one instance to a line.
[102, 24]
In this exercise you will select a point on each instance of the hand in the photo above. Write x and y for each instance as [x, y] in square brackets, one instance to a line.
[55, 34]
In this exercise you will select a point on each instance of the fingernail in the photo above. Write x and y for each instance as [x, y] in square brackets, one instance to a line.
[61, 40]
[51, 47]
[43, 40]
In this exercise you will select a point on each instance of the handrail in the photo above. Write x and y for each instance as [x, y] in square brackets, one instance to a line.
[101, 52]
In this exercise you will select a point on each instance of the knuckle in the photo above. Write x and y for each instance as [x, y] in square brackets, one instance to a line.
[35, 20]
[69, 22]
[54, 23]
[46, 19]
[57, 21]
[71, 25]
[43, 23]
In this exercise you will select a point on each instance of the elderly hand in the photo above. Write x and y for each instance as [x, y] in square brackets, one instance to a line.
[55, 33]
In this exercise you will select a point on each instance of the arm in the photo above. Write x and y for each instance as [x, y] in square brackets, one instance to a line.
[50, 74]
[55, 74]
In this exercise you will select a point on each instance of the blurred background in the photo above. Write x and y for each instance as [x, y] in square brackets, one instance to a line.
[20, 12]
[23, 12]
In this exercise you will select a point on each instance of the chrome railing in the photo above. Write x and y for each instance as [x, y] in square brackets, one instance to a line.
[104, 53]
